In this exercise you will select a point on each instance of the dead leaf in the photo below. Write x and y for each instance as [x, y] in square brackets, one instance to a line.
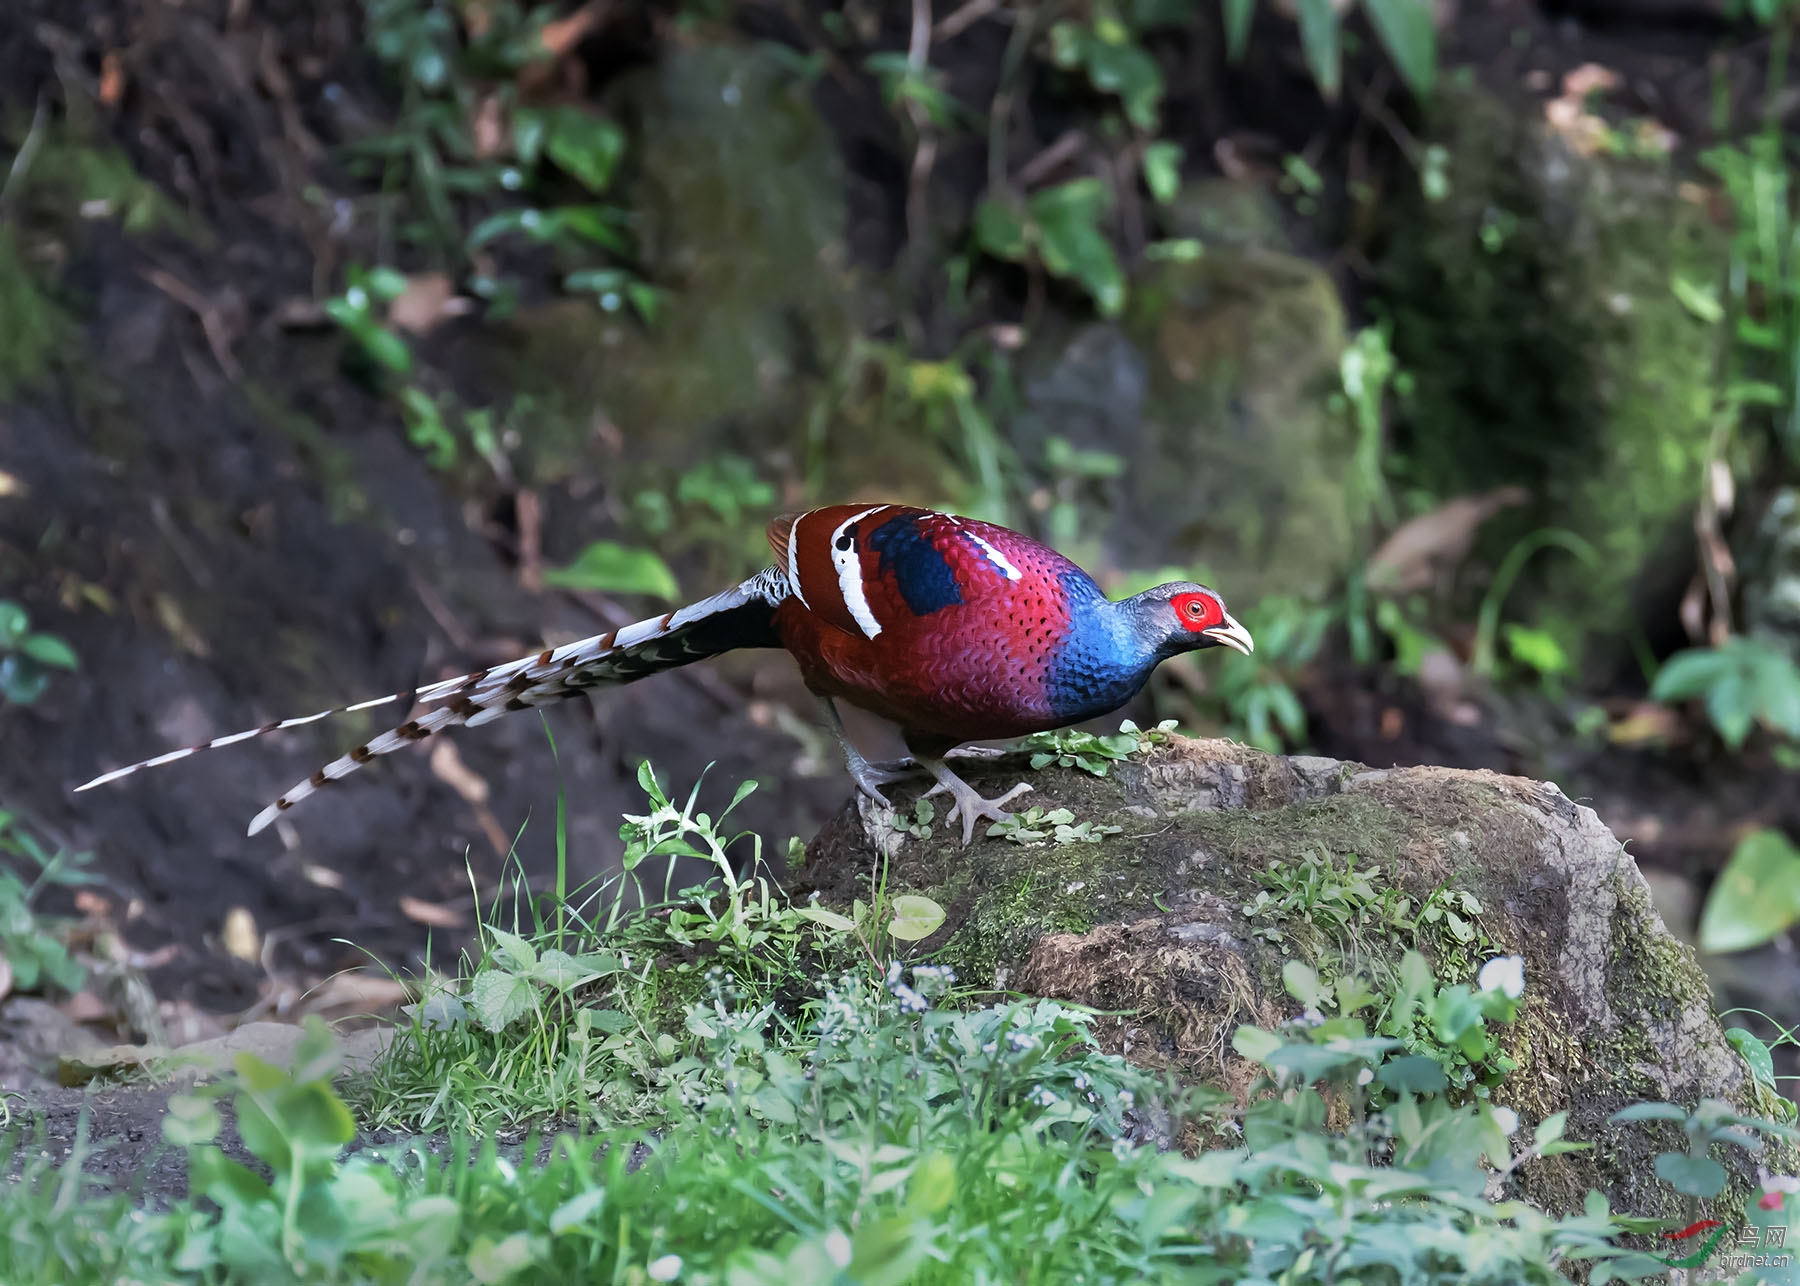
[426, 301]
[449, 768]
[11, 486]
[438, 915]
[357, 990]
[1418, 553]
[489, 127]
[559, 37]
[1646, 723]
[6, 978]
[323, 876]
[85, 1007]
[112, 81]
[92, 904]
[240, 936]
[529, 512]
[169, 615]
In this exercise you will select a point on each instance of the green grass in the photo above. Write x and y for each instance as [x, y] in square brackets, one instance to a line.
[769, 1093]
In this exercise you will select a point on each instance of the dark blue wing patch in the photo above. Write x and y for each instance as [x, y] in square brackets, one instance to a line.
[920, 572]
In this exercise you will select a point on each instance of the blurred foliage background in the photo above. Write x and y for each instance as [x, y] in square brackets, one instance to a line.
[351, 344]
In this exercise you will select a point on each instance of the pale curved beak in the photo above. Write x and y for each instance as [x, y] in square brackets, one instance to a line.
[1232, 635]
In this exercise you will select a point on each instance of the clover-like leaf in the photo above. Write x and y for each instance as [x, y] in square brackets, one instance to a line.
[915, 917]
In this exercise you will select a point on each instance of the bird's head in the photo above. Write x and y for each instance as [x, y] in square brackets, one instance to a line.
[1182, 616]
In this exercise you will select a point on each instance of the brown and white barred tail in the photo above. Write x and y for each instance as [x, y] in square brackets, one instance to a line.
[740, 617]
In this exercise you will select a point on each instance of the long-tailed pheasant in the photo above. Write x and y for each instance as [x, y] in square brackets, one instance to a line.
[956, 630]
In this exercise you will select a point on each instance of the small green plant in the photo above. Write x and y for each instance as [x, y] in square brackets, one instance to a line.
[27, 658]
[1745, 682]
[1711, 1124]
[1758, 1054]
[1404, 27]
[1091, 752]
[1756, 898]
[1056, 825]
[361, 313]
[716, 507]
[611, 568]
[917, 823]
[30, 948]
[1058, 230]
[1256, 692]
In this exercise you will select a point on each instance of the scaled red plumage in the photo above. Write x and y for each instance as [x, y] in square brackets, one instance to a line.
[955, 629]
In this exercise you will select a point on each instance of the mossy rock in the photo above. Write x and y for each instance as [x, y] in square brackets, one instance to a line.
[1151, 921]
[1215, 393]
[735, 190]
[1532, 306]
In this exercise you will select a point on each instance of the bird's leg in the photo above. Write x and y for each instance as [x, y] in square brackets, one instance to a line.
[869, 778]
[969, 804]
[906, 765]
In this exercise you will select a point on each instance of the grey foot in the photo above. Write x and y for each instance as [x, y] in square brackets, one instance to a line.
[970, 806]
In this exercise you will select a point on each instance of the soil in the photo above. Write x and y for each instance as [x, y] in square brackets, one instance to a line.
[229, 528]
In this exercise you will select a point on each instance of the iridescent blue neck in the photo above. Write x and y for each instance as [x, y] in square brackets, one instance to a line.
[1105, 657]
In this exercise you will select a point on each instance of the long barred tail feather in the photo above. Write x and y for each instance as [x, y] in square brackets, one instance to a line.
[740, 617]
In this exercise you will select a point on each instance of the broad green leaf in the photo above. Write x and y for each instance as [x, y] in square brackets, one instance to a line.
[1754, 1052]
[1775, 682]
[560, 970]
[1162, 170]
[1302, 983]
[1130, 72]
[584, 147]
[218, 1178]
[191, 1120]
[915, 917]
[830, 919]
[1406, 29]
[47, 649]
[384, 347]
[13, 623]
[933, 1185]
[492, 1262]
[1413, 1073]
[1691, 1176]
[1072, 244]
[386, 284]
[610, 1021]
[612, 568]
[512, 951]
[1001, 231]
[1756, 897]
[498, 225]
[499, 998]
[317, 1054]
[1702, 300]
[1255, 1044]
[577, 1211]
[1322, 42]
[1237, 26]
[316, 1121]
[598, 224]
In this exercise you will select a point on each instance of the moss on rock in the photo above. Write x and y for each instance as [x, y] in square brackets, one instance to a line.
[1150, 925]
[1532, 305]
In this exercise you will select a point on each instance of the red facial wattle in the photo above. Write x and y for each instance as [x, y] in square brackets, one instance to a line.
[1198, 612]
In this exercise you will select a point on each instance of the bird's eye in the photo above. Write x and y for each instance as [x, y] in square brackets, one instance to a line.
[1195, 610]
[845, 541]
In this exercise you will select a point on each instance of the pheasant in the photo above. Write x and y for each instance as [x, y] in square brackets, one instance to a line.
[954, 629]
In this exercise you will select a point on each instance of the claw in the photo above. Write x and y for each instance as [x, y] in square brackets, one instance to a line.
[869, 777]
[969, 805]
